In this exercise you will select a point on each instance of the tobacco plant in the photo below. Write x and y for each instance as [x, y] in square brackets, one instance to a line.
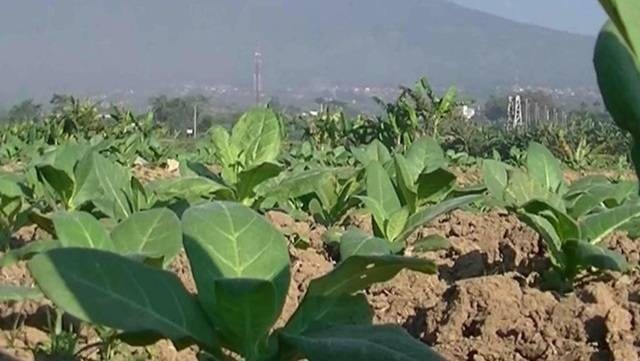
[410, 191]
[241, 267]
[75, 175]
[247, 158]
[13, 206]
[571, 220]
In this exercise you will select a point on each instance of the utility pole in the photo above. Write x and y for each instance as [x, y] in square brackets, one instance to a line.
[195, 120]
[257, 75]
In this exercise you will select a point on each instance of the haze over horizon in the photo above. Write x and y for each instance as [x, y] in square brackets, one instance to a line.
[98, 45]
[576, 16]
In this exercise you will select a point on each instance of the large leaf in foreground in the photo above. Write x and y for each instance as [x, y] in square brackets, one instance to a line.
[618, 71]
[225, 241]
[352, 275]
[377, 343]
[153, 234]
[111, 290]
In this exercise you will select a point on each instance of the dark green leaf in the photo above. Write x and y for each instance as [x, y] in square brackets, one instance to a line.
[111, 290]
[372, 343]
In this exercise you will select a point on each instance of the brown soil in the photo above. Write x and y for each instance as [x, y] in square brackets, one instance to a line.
[485, 303]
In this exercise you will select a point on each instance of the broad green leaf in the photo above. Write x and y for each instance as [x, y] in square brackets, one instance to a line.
[9, 188]
[355, 242]
[625, 15]
[372, 343]
[376, 210]
[105, 183]
[373, 152]
[597, 226]
[81, 229]
[226, 152]
[153, 234]
[110, 290]
[618, 72]
[57, 182]
[600, 196]
[252, 177]
[19, 293]
[431, 243]
[257, 136]
[425, 155]
[396, 223]
[435, 185]
[586, 254]
[495, 178]
[549, 234]
[64, 157]
[584, 184]
[244, 309]
[428, 214]
[406, 182]
[380, 189]
[229, 241]
[27, 251]
[523, 188]
[543, 167]
[189, 188]
[300, 183]
[566, 227]
[352, 275]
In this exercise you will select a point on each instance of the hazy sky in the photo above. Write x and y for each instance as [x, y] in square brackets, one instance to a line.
[85, 45]
[577, 16]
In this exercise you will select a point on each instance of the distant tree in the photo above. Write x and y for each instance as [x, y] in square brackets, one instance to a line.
[177, 113]
[27, 110]
[496, 108]
[60, 101]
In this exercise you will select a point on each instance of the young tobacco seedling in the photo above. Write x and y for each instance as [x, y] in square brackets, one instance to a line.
[572, 221]
[241, 267]
[413, 192]
[247, 158]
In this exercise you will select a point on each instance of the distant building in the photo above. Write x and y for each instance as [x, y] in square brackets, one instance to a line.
[468, 112]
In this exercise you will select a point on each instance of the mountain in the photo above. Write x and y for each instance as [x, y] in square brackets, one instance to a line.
[105, 44]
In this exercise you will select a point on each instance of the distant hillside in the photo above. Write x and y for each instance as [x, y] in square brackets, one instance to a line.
[83, 45]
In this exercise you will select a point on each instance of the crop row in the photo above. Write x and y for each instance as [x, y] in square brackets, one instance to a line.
[113, 236]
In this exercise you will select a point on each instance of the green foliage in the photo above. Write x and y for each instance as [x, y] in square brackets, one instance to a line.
[13, 206]
[74, 175]
[413, 190]
[247, 158]
[617, 63]
[572, 220]
[241, 267]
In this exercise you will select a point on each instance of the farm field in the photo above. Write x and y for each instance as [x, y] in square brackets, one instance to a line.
[414, 234]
